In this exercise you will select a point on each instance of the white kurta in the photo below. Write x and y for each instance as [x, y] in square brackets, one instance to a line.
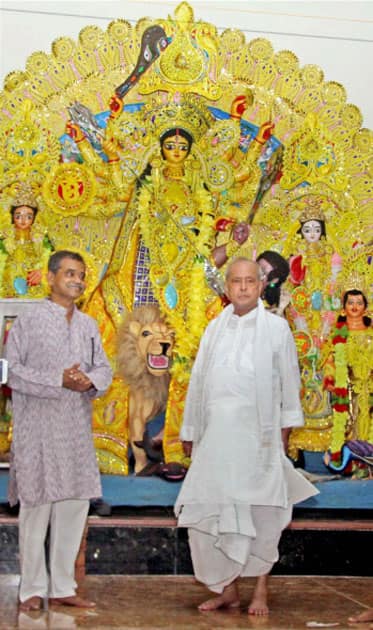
[239, 491]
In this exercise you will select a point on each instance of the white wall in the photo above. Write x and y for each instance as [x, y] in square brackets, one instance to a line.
[337, 36]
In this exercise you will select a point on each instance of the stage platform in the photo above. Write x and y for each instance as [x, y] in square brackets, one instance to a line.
[339, 493]
[138, 539]
[330, 534]
[146, 541]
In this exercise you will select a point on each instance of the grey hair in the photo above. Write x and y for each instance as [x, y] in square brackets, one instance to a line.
[237, 259]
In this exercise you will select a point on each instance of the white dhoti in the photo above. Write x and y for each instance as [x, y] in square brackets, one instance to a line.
[221, 557]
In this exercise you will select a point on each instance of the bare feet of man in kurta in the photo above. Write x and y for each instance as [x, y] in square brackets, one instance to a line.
[32, 603]
[259, 604]
[73, 600]
[228, 599]
[364, 617]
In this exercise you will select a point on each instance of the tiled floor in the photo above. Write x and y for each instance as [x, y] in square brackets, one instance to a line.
[169, 603]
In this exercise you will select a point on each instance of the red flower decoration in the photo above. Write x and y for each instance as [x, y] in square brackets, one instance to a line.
[341, 391]
[340, 407]
[297, 271]
[328, 380]
[223, 224]
[339, 339]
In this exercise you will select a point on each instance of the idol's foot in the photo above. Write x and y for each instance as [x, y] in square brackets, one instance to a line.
[228, 599]
[258, 605]
[363, 617]
[73, 600]
[32, 603]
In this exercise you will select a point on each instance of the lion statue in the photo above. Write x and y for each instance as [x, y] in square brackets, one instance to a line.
[145, 344]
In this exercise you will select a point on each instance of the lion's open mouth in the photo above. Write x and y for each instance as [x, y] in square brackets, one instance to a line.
[158, 361]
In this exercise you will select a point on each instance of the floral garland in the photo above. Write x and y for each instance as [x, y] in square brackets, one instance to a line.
[340, 401]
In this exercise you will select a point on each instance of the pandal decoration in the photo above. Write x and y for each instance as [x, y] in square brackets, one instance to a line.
[120, 89]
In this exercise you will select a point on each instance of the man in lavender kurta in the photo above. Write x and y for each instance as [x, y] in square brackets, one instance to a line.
[56, 367]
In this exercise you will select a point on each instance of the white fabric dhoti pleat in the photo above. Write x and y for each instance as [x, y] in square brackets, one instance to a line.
[246, 544]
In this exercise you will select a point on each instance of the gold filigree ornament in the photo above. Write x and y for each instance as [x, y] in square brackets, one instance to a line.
[70, 189]
[312, 211]
[312, 156]
[189, 61]
[325, 154]
[186, 112]
[355, 281]
[28, 149]
[357, 273]
[24, 195]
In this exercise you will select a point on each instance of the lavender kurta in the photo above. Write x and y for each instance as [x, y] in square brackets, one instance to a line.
[53, 456]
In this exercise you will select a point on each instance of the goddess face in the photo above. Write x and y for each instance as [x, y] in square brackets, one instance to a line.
[355, 306]
[175, 149]
[311, 230]
[23, 217]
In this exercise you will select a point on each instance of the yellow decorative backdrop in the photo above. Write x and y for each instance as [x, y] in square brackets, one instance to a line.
[95, 195]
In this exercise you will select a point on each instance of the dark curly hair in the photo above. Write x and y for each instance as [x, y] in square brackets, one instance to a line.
[279, 273]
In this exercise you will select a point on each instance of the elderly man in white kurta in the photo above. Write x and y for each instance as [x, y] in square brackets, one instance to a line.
[56, 366]
[242, 400]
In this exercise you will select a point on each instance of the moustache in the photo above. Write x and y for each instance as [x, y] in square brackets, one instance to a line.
[76, 286]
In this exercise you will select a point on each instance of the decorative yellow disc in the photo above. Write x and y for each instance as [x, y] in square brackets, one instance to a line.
[158, 275]
[301, 299]
[303, 341]
[170, 251]
[70, 189]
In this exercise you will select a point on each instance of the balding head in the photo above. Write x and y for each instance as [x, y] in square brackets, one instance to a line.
[239, 260]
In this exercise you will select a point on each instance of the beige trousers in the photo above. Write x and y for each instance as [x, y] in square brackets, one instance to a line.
[67, 521]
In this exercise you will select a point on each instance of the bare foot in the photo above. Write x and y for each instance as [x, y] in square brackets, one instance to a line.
[32, 603]
[228, 599]
[364, 617]
[258, 605]
[73, 600]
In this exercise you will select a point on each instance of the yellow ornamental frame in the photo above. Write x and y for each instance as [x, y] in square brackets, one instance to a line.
[87, 202]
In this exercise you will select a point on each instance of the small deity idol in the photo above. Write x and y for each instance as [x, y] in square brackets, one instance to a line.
[24, 251]
[311, 313]
[348, 372]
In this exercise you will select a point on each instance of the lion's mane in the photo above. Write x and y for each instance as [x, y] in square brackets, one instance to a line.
[132, 366]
